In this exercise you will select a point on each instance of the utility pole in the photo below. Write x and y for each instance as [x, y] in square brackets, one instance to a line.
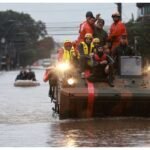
[119, 7]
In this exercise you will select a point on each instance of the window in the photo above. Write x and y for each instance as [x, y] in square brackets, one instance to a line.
[142, 11]
[147, 10]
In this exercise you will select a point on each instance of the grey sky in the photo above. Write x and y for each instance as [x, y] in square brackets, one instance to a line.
[68, 15]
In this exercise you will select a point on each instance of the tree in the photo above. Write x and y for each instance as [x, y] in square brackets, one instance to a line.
[20, 31]
[141, 31]
[45, 47]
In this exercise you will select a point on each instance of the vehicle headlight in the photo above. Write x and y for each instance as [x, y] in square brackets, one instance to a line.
[71, 81]
[148, 69]
[63, 66]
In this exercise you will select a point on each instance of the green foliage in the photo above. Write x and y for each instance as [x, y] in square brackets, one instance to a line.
[21, 33]
[28, 57]
[45, 47]
[142, 32]
[13, 24]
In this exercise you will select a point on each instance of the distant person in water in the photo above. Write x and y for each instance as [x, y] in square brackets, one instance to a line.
[31, 75]
[22, 75]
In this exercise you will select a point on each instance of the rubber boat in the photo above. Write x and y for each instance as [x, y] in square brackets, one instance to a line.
[26, 83]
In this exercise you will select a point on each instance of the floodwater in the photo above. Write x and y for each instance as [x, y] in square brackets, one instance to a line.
[27, 120]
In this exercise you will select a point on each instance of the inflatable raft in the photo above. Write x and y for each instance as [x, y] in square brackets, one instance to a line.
[26, 83]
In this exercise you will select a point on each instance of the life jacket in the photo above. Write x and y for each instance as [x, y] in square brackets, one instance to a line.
[85, 48]
[68, 55]
[100, 59]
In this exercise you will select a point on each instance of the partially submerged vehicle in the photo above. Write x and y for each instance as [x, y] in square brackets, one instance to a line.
[78, 98]
[26, 83]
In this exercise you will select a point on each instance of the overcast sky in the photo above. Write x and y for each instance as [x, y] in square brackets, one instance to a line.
[65, 14]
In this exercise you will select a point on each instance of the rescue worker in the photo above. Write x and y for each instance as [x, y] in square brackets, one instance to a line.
[99, 32]
[86, 27]
[101, 67]
[51, 76]
[67, 53]
[116, 30]
[96, 44]
[85, 49]
[123, 49]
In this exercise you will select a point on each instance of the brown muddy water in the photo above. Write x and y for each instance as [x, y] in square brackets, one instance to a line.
[27, 120]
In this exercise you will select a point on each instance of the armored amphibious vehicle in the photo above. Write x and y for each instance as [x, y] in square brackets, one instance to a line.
[129, 97]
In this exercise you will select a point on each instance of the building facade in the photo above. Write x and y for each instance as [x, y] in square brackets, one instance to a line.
[143, 12]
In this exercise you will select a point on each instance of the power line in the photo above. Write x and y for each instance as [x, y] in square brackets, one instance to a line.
[62, 27]
[58, 34]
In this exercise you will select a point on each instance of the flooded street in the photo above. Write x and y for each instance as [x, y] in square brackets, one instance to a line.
[27, 120]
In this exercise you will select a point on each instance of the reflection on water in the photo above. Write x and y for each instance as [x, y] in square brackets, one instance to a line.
[26, 120]
[102, 132]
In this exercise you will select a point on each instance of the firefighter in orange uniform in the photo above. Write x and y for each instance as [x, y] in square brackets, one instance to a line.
[86, 27]
[117, 29]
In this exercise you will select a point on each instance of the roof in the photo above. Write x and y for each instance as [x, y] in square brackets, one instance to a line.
[139, 5]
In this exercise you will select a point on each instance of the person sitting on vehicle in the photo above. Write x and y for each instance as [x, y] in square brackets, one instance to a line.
[123, 49]
[96, 44]
[85, 50]
[99, 32]
[31, 75]
[67, 53]
[107, 49]
[101, 67]
[108, 53]
[22, 75]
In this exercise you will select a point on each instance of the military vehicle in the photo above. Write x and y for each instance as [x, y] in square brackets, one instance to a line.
[78, 98]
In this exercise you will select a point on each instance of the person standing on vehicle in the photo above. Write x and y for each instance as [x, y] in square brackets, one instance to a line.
[99, 32]
[117, 29]
[86, 27]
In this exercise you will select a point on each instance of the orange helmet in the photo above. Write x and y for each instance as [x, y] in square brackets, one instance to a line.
[67, 43]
